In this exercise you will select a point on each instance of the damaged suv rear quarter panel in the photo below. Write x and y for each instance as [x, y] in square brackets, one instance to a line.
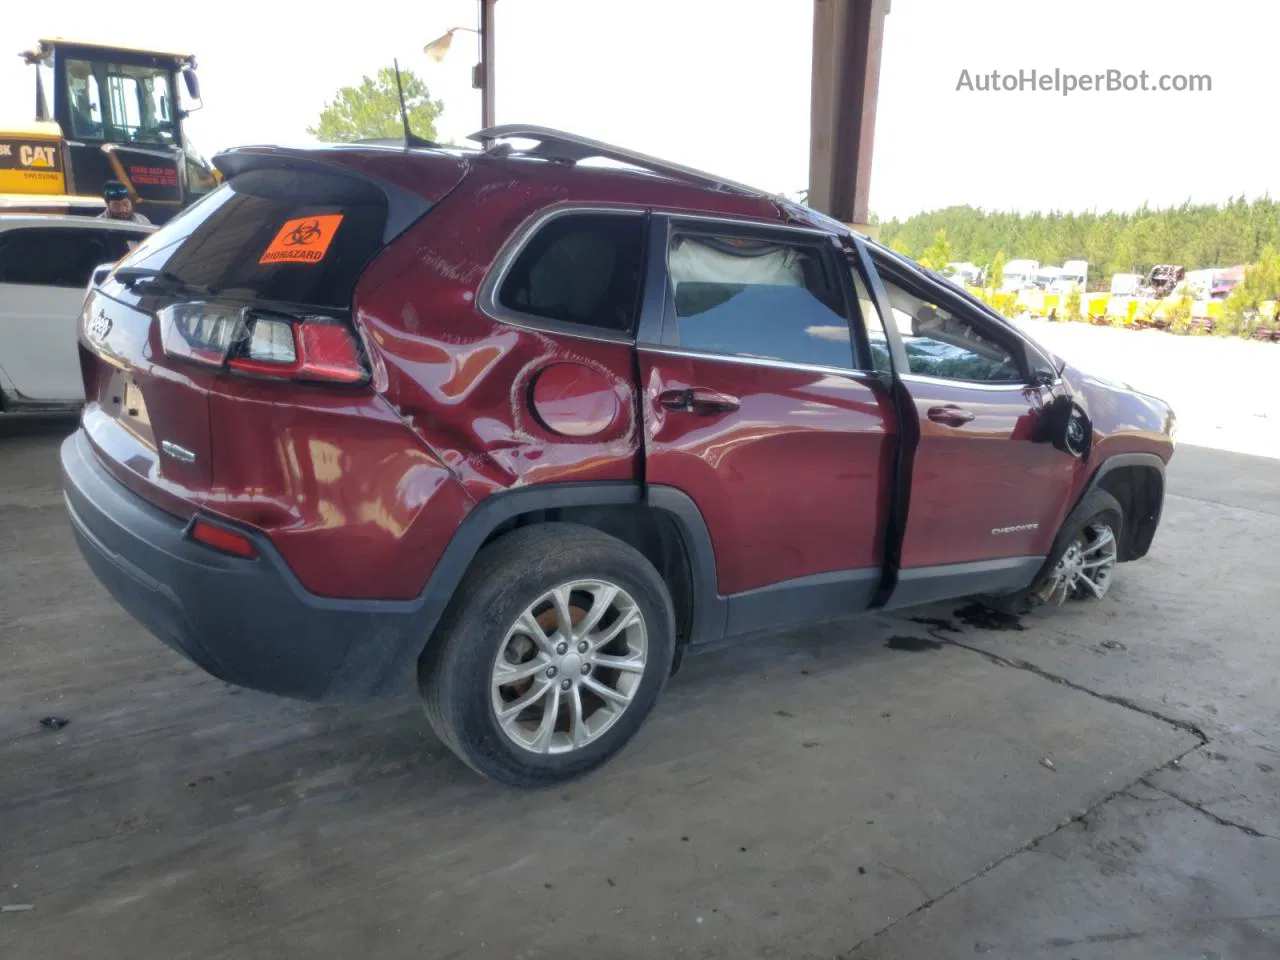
[324, 470]
[332, 472]
[462, 378]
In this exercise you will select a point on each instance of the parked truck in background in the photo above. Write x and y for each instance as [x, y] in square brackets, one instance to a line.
[1125, 284]
[105, 113]
[1045, 277]
[1018, 274]
[1074, 275]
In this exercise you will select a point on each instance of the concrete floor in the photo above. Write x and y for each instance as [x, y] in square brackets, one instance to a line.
[1103, 783]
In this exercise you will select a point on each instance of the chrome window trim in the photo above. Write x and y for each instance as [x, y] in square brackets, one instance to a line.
[509, 252]
[999, 385]
[766, 362]
[487, 294]
[678, 217]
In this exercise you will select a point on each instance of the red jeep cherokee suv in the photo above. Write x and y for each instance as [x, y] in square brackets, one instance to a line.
[525, 428]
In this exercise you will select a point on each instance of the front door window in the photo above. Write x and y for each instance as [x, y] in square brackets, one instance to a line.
[938, 342]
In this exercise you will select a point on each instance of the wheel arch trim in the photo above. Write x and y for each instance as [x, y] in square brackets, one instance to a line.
[493, 511]
[1122, 461]
[1119, 460]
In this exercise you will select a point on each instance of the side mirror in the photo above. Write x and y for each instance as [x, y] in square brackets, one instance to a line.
[1064, 424]
[192, 82]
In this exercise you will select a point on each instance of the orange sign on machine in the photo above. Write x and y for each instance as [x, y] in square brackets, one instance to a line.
[304, 240]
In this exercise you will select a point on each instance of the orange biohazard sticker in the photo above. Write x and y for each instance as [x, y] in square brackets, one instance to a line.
[304, 240]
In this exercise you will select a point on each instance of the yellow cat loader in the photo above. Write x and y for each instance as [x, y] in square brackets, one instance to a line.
[105, 113]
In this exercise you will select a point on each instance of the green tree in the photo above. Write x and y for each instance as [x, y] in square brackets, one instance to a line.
[938, 254]
[995, 276]
[371, 109]
[1195, 235]
[1178, 316]
[898, 245]
[1241, 313]
[1072, 303]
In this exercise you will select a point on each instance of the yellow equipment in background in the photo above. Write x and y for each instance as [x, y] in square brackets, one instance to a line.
[31, 159]
[105, 113]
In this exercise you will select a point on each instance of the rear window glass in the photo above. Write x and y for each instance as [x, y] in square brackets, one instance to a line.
[580, 268]
[287, 236]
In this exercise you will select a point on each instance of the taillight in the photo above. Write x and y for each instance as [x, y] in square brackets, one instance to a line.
[301, 351]
[200, 332]
[257, 343]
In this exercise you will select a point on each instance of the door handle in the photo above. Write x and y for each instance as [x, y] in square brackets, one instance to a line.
[950, 415]
[699, 401]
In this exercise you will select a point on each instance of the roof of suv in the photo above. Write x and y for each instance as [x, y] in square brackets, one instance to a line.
[13, 221]
[556, 160]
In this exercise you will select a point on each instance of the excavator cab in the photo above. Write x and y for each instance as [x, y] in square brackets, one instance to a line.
[106, 113]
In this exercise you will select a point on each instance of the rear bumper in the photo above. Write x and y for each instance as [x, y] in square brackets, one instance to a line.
[249, 622]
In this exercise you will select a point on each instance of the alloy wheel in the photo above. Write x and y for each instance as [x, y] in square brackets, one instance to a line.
[569, 666]
[1086, 566]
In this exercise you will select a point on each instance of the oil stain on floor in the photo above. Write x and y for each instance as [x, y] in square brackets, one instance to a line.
[912, 644]
[984, 618]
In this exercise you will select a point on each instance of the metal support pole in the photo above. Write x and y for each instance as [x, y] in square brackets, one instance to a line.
[848, 36]
[485, 68]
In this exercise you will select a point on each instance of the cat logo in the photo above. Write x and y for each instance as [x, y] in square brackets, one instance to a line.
[37, 156]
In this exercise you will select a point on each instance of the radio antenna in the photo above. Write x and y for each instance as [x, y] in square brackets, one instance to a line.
[410, 138]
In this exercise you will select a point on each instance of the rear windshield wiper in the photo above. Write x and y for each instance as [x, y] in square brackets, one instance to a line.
[131, 277]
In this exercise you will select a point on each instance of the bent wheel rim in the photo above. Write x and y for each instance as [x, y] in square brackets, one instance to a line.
[1085, 568]
[569, 667]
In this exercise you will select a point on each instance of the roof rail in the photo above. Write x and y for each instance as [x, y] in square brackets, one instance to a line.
[570, 148]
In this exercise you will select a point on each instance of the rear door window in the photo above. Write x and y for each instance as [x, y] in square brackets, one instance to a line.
[52, 256]
[754, 297]
[297, 237]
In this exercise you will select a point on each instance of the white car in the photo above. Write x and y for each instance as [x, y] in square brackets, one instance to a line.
[46, 262]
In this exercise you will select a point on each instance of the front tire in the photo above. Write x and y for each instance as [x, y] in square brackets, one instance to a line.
[1082, 563]
[550, 656]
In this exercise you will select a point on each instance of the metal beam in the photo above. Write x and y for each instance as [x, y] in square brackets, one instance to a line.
[848, 36]
[486, 64]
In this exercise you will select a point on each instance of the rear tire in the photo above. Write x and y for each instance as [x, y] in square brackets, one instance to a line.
[524, 698]
[1082, 561]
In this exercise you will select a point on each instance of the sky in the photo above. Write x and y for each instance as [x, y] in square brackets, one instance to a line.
[723, 85]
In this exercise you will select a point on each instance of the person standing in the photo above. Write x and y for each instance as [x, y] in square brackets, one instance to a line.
[119, 204]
